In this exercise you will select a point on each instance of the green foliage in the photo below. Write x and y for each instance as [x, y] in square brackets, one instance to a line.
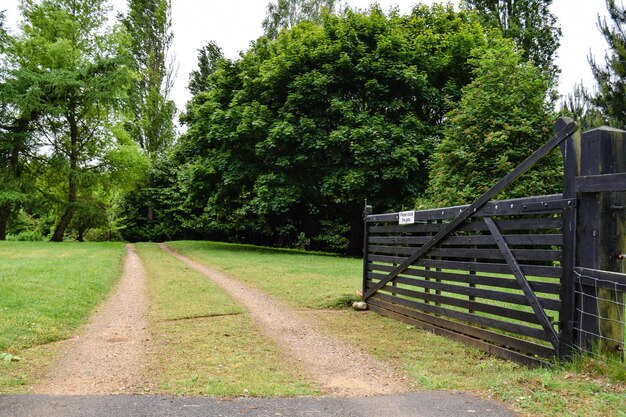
[501, 119]
[579, 106]
[209, 57]
[77, 73]
[151, 119]
[286, 143]
[285, 14]
[151, 211]
[529, 23]
[611, 78]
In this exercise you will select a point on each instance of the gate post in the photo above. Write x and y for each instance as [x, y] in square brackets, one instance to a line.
[570, 149]
[366, 212]
[601, 240]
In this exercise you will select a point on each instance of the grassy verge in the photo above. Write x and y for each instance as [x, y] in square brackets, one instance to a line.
[46, 292]
[432, 361]
[302, 279]
[203, 343]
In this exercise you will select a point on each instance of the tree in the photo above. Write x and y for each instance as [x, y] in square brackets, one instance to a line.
[152, 121]
[285, 14]
[288, 141]
[528, 22]
[611, 78]
[78, 73]
[579, 106]
[16, 141]
[500, 120]
[209, 57]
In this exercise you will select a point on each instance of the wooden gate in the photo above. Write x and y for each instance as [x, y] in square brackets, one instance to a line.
[487, 274]
[523, 279]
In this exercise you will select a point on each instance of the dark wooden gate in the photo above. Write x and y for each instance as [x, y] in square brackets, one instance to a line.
[524, 279]
[488, 274]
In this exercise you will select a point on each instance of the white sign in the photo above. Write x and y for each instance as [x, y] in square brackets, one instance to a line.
[406, 217]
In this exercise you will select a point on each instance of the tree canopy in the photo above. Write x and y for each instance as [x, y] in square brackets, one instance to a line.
[74, 73]
[151, 123]
[528, 22]
[611, 77]
[502, 118]
[285, 14]
[287, 142]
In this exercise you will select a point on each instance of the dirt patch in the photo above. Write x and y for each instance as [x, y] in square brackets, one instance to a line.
[107, 358]
[340, 369]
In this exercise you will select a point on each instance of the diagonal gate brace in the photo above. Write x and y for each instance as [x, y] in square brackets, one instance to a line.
[565, 132]
[523, 282]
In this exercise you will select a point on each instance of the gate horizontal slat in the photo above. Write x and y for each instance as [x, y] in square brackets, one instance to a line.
[538, 240]
[439, 299]
[532, 270]
[538, 286]
[548, 223]
[505, 297]
[545, 255]
[536, 333]
[463, 329]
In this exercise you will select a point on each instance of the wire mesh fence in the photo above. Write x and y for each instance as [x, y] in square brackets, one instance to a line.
[600, 321]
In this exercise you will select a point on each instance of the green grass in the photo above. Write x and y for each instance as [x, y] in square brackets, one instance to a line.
[203, 343]
[433, 362]
[47, 291]
[303, 279]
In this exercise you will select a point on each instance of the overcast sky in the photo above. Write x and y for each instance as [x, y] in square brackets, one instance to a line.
[234, 23]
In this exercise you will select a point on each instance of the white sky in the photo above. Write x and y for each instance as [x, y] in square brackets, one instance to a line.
[234, 24]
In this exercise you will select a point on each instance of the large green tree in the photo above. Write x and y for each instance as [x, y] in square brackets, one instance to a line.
[611, 77]
[209, 57]
[528, 22]
[152, 111]
[285, 14]
[501, 119]
[17, 143]
[288, 141]
[78, 74]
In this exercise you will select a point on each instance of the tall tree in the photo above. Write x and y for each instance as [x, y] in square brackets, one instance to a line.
[209, 57]
[16, 140]
[78, 73]
[285, 14]
[611, 77]
[529, 23]
[579, 105]
[500, 120]
[291, 138]
[149, 24]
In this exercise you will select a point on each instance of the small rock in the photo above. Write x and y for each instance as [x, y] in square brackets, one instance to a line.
[359, 305]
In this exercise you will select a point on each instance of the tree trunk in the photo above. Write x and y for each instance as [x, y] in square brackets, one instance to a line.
[5, 210]
[72, 194]
[355, 246]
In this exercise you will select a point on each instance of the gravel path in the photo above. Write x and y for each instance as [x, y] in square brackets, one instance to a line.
[107, 358]
[341, 370]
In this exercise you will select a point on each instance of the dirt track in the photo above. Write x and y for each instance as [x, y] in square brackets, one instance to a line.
[340, 369]
[108, 357]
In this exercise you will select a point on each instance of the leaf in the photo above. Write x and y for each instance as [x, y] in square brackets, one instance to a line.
[7, 357]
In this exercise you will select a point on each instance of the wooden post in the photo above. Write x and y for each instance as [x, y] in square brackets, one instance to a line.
[570, 149]
[366, 212]
[601, 240]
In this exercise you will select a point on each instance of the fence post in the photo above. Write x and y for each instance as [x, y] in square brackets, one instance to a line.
[366, 212]
[601, 238]
[570, 149]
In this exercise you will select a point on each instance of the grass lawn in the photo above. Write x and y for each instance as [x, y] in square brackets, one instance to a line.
[47, 290]
[318, 282]
[203, 343]
[302, 279]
